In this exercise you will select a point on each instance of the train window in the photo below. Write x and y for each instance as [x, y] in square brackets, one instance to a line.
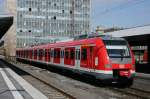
[72, 54]
[76, 54]
[55, 53]
[79, 55]
[66, 54]
[46, 53]
[26, 54]
[35, 53]
[49, 53]
[58, 53]
[84, 54]
[62, 54]
[52, 53]
[32, 52]
[40, 52]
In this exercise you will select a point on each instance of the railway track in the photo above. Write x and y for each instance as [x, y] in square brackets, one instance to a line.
[140, 94]
[52, 91]
[134, 92]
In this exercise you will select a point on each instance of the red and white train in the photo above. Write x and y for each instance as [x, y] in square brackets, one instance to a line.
[105, 58]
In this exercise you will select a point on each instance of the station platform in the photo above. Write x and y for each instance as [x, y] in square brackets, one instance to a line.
[13, 86]
[143, 75]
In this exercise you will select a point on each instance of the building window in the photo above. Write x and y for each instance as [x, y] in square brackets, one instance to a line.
[63, 11]
[71, 12]
[54, 17]
[30, 9]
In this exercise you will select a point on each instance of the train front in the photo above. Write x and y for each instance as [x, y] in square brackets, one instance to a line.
[121, 60]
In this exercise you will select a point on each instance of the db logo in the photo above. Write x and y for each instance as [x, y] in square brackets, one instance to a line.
[122, 66]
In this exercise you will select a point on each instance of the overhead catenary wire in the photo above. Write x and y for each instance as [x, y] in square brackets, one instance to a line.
[120, 7]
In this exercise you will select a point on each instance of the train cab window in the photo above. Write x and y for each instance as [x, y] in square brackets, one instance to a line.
[66, 54]
[72, 54]
[84, 54]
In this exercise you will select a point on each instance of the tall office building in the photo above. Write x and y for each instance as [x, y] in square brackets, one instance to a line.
[39, 21]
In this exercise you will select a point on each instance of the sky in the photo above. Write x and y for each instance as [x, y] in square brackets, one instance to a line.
[120, 13]
[2, 6]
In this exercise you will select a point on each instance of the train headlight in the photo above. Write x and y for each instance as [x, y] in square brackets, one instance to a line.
[108, 66]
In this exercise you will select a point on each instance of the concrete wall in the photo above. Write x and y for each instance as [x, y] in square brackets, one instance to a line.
[10, 36]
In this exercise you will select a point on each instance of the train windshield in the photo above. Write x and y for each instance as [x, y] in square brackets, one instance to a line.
[117, 48]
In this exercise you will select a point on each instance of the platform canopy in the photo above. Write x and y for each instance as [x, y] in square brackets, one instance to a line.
[135, 36]
[5, 23]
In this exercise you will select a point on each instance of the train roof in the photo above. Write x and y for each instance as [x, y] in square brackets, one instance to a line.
[61, 44]
[88, 40]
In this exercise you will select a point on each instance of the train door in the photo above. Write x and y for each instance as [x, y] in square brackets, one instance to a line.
[30, 54]
[66, 57]
[72, 56]
[43, 55]
[90, 57]
[49, 55]
[40, 54]
[57, 55]
[62, 56]
[77, 57]
[35, 54]
[52, 55]
[46, 55]
[87, 57]
[84, 62]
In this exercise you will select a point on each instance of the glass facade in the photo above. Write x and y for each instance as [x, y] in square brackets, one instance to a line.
[37, 19]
